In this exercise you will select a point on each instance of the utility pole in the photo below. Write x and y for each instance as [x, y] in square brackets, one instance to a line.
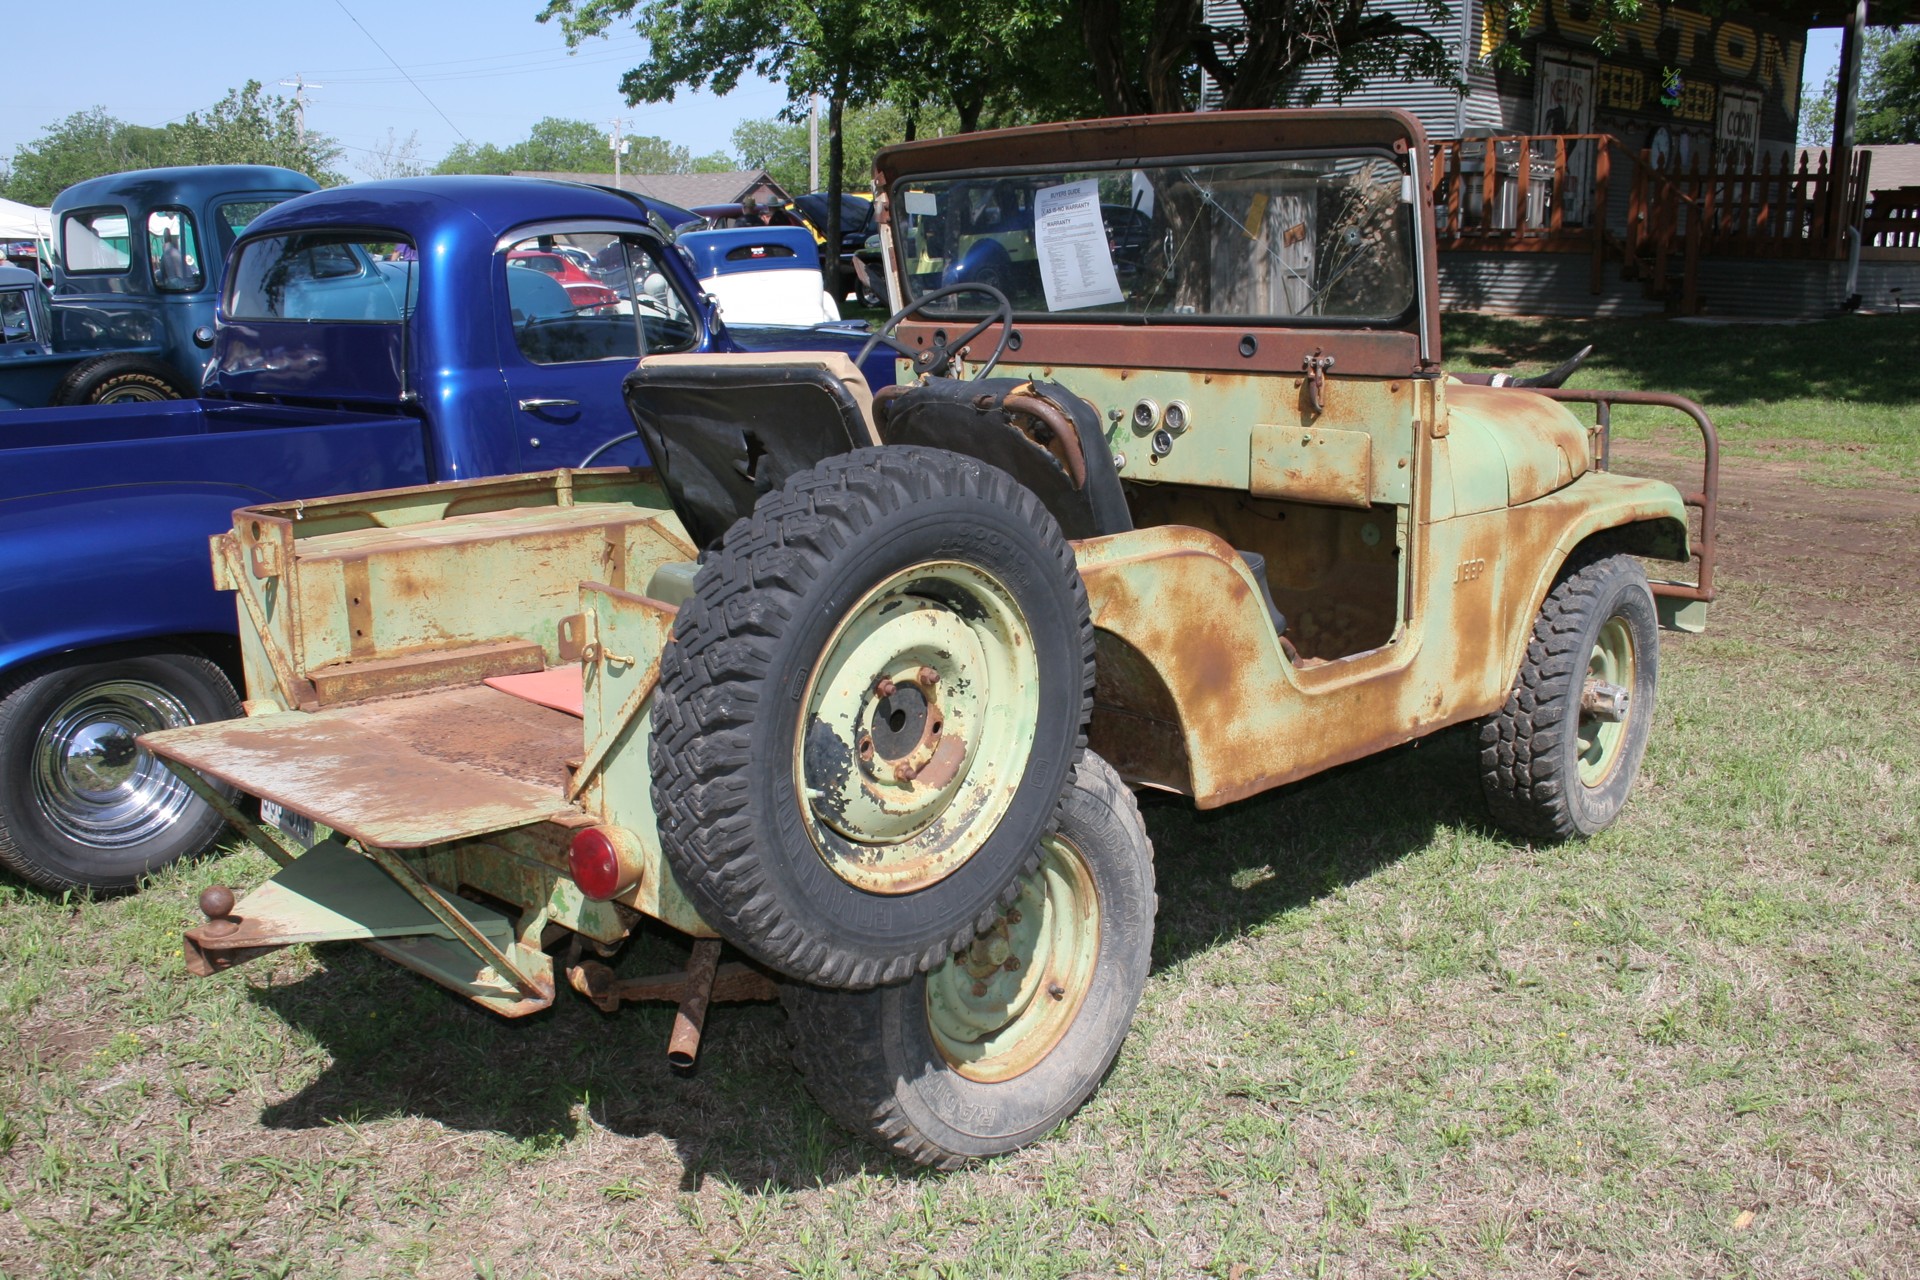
[299, 84]
[619, 144]
[813, 142]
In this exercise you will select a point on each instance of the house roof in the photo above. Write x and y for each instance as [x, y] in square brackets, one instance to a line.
[1893, 166]
[683, 189]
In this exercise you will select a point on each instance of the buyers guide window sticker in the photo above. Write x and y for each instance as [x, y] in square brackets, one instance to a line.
[1076, 264]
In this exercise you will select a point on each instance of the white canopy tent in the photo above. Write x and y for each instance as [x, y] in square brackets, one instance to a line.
[24, 222]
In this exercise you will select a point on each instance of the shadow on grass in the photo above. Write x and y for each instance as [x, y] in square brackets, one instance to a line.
[1854, 359]
[401, 1046]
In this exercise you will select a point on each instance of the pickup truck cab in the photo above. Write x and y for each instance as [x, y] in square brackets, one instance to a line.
[135, 282]
[369, 337]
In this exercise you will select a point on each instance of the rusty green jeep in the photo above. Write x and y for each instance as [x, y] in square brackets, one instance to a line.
[1175, 494]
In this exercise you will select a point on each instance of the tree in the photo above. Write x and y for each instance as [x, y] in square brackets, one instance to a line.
[248, 126]
[1147, 55]
[569, 146]
[780, 146]
[394, 158]
[842, 50]
[1889, 109]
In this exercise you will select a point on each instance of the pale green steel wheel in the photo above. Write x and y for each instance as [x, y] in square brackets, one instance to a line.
[1612, 662]
[998, 1044]
[1001, 1006]
[932, 677]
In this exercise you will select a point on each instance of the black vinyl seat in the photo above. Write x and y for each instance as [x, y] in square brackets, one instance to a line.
[724, 429]
[1047, 438]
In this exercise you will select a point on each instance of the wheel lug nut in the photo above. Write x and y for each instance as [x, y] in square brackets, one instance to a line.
[1013, 962]
[1013, 915]
[885, 688]
[904, 772]
[1057, 991]
[979, 989]
[929, 676]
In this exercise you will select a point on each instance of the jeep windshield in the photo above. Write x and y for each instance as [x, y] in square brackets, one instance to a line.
[1288, 239]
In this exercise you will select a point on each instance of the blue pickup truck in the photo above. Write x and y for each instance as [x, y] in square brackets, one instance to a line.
[369, 337]
[134, 284]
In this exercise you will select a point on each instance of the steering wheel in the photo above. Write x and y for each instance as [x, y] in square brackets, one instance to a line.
[937, 359]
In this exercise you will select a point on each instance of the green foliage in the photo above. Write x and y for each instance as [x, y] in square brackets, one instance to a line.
[1514, 18]
[1889, 108]
[248, 126]
[577, 146]
[780, 146]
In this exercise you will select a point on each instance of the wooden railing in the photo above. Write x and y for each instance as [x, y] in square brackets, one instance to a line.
[1892, 220]
[1549, 192]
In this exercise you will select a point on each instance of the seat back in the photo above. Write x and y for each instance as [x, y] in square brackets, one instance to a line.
[724, 429]
[1019, 427]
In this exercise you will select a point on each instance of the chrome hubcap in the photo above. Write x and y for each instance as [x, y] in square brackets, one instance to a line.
[90, 779]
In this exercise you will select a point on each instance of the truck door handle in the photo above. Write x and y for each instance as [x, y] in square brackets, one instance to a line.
[533, 406]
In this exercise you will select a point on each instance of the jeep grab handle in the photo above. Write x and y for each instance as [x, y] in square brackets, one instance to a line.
[1706, 499]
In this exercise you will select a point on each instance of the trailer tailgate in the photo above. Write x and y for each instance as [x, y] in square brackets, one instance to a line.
[399, 773]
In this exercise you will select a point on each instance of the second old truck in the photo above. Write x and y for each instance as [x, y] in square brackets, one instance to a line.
[860, 681]
[391, 333]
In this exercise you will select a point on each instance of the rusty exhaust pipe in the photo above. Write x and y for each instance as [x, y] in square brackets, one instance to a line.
[684, 1046]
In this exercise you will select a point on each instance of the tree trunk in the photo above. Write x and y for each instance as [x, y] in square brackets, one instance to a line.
[836, 183]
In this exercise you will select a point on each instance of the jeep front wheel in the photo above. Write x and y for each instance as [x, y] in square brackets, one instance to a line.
[1559, 760]
[1005, 1039]
[869, 713]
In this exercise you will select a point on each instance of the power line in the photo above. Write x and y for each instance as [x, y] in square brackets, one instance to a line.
[402, 70]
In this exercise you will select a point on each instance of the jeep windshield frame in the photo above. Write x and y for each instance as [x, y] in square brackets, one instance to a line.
[1321, 238]
[1241, 340]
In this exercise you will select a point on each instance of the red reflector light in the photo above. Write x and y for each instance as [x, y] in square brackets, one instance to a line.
[595, 864]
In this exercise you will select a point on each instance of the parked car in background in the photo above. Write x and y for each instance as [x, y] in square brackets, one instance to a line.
[137, 271]
[856, 224]
[762, 276]
[582, 288]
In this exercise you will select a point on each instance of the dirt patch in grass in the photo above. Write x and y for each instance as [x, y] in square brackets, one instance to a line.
[1826, 554]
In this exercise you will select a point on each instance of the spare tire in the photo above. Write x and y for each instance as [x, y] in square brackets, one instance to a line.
[870, 712]
[118, 379]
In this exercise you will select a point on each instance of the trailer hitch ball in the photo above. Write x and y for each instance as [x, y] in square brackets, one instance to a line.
[605, 861]
[216, 904]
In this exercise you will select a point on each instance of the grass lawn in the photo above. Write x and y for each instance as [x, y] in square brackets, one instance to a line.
[1380, 1039]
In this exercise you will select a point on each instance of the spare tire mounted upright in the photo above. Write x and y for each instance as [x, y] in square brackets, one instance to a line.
[872, 708]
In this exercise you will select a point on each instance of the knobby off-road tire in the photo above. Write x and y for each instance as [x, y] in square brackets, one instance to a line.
[1550, 771]
[947, 1067]
[870, 712]
[118, 379]
[80, 805]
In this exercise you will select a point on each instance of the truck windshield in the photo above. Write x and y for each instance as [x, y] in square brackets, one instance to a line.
[323, 276]
[1288, 239]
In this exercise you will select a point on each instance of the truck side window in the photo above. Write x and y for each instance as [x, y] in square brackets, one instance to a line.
[231, 218]
[16, 320]
[591, 296]
[173, 251]
[324, 276]
[95, 242]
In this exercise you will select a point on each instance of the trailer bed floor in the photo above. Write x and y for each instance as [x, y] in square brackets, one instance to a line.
[401, 773]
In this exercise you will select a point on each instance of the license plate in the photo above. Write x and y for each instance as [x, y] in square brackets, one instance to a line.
[297, 825]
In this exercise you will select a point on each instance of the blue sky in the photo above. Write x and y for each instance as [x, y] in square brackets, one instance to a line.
[486, 64]
[484, 70]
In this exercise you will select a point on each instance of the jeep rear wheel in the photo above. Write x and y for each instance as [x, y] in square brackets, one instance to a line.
[1004, 1040]
[1559, 760]
[870, 712]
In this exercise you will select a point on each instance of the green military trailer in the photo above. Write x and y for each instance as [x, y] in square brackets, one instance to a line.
[1173, 492]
